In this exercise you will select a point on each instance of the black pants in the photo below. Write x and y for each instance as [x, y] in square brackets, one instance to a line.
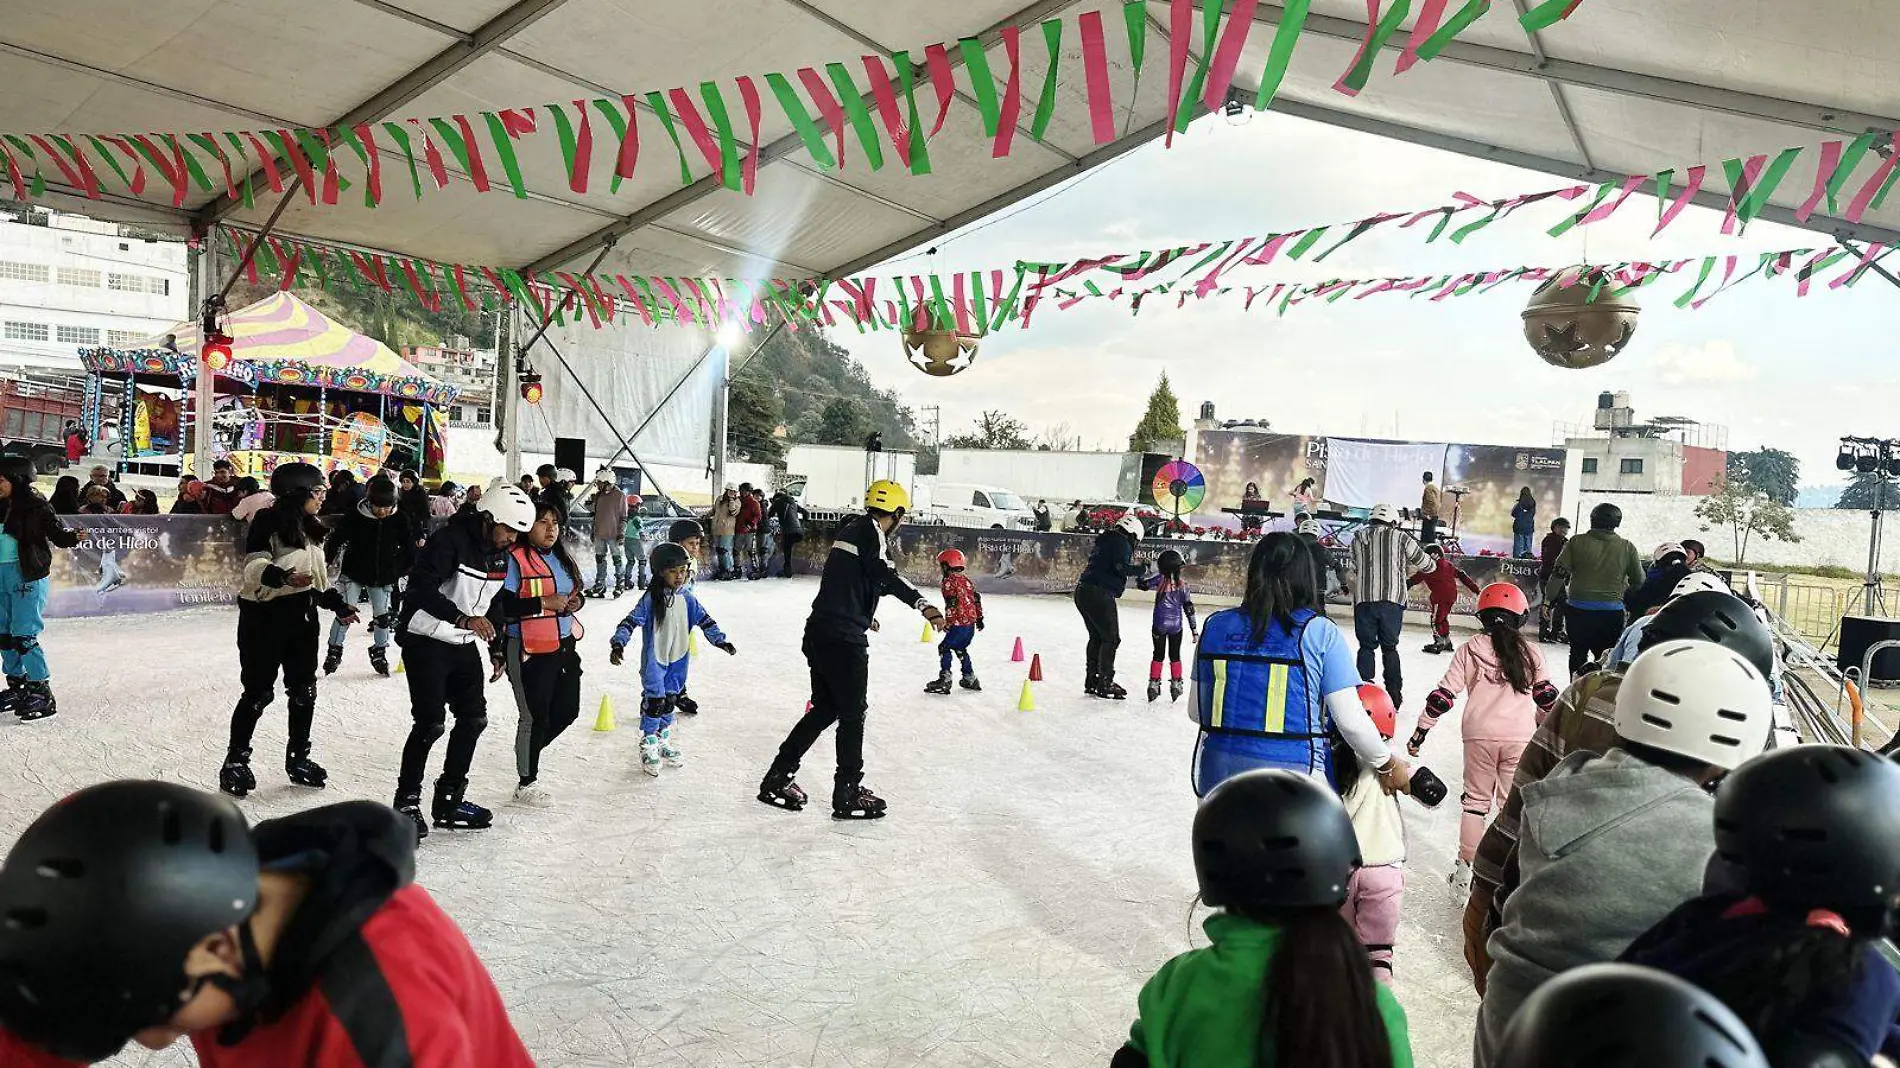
[443, 678]
[1378, 625]
[840, 674]
[1097, 606]
[273, 636]
[1593, 631]
[1168, 647]
[1427, 531]
[786, 543]
[548, 695]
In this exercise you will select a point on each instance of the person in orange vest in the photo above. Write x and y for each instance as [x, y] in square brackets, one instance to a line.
[535, 644]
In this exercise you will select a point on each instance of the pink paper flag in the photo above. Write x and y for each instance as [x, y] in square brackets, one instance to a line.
[1696, 174]
[1012, 94]
[1865, 197]
[1823, 174]
[1872, 252]
[1095, 71]
[1268, 250]
[887, 109]
[1180, 28]
[959, 301]
[1220, 73]
[1751, 170]
[943, 80]
[1429, 18]
[1607, 208]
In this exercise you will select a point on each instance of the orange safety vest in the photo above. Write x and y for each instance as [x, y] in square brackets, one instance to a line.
[541, 632]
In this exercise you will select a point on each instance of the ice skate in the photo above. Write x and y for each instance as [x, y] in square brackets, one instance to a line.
[857, 804]
[410, 805]
[453, 813]
[533, 796]
[685, 705]
[10, 697]
[1175, 689]
[379, 660]
[1460, 877]
[779, 791]
[1154, 690]
[597, 591]
[333, 660]
[113, 585]
[302, 770]
[941, 685]
[650, 754]
[236, 777]
[970, 682]
[36, 702]
[1110, 690]
[670, 754]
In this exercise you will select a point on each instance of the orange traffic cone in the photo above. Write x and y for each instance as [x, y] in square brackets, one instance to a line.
[1035, 668]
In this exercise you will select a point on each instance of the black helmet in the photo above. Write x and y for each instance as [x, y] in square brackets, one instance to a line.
[1273, 840]
[102, 898]
[666, 556]
[1625, 1016]
[293, 480]
[1606, 517]
[15, 468]
[1713, 616]
[381, 492]
[1814, 826]
[1170, 560]
[684, 529]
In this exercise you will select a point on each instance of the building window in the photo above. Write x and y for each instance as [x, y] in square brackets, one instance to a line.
[1630, 467]
[1589, 465]
[79, 276]
[481, 415]
[124, 337]
[125, 283]
[77, 335]
[159, 286]
[26, 331]
[24, 272]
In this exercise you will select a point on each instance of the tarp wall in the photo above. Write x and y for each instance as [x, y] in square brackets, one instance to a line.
[629, 371]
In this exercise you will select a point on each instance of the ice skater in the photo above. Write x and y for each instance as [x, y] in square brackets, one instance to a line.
[376, 545]
[665, 617]
[688, 535]
[1174, 606]
[633, 573]
[1104, 579]
[609, 506]
[28, 532]
[838, 652]
[1376, 890]
[536, 638]
[963, 614]
[285, 581]
[1441, 581]
[1507, 693]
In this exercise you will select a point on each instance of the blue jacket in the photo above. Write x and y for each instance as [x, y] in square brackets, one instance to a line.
[1261, 697]
[664, 649]
[1112, 563]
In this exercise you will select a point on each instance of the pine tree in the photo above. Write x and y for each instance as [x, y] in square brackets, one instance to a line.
[1161, 423]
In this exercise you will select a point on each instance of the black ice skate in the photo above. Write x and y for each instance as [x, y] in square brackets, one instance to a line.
[779, 791]
[685, 705]
[940, 685]
[302, 770]
[970, 682]
[597, 591]
[858, 804]
[333, 660]
[236, 778]
[451, 812]
[379, 660]
[1109, 690]
[10, 697]
[1174, 689]
[409, 803]
[1154, 690]
[36, 702]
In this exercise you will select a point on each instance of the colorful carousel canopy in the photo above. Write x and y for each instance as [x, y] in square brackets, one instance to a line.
[283, 340]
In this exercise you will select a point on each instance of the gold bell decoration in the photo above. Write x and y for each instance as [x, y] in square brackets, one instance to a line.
[938, 352]
[1580, 319]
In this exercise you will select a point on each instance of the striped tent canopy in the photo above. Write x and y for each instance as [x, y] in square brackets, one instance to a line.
[283, 340]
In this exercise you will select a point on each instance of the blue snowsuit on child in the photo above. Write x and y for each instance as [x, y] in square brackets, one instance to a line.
[664, 651]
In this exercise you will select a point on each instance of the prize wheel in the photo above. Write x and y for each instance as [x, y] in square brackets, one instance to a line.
[1179, 488]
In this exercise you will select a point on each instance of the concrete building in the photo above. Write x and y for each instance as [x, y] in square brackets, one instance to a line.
[470, 370]
[68, 282]
[1667, 456]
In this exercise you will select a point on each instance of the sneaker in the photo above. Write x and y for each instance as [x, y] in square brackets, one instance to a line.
[1460, 877]
[533, 796]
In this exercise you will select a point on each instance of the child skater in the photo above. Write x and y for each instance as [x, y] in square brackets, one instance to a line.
[1441, 580]
[1377, 888]
[1173, 605]
[1508, 691]
[1286, 981]
[666, 615]
[963, 614]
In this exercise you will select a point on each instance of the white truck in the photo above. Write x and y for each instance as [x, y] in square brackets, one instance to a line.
[829, 479]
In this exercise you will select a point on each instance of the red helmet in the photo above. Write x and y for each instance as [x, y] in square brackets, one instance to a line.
[1379, 704]
[954, 558]
[1503, 595]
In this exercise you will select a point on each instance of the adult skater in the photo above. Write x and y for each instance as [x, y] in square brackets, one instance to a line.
[444, 613]
[1103, 580]
[412, 500]
[610, 520]
[303, 942]
[376, 545]
[28, 532]
[1384, 558]
[1274, 680]
[791, 527]
[1604, 568]
[856, 575]
[286, 580]
[725, 521]
[535, 646]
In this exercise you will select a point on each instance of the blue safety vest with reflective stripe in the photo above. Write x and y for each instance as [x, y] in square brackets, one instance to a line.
[1257, 698]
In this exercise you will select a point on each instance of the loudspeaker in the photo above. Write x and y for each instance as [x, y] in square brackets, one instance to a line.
[1860, 632]
[571, 453]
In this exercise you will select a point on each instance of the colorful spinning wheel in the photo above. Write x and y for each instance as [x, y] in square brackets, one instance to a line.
[1179, 487]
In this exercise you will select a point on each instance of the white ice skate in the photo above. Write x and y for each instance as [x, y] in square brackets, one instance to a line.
[533, 796]
[1460, 877]
[650, 754]
[670, 753]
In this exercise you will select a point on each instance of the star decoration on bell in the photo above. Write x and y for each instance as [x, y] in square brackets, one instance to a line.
[1564, 342]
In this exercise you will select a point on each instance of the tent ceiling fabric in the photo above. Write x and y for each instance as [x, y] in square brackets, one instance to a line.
[1623, 86]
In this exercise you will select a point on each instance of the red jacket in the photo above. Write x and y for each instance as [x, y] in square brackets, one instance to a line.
[749, 515]
[962, 606]
[1443, 582]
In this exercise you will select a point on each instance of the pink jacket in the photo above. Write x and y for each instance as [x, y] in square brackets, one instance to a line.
[1493, 712]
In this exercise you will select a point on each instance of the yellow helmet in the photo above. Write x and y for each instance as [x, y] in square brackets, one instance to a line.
[887, 496]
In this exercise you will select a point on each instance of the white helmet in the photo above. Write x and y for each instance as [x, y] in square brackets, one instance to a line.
[1309, 525]
[1700, 582]
[564, 474]
[1129, 525]
[1667, 549]
[1384, 513]
[509, 506]
[1695, 699]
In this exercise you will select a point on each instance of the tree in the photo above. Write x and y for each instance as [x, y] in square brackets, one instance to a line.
[1775, 472]
[1861, 493]
[753, 412]
[1747, 511]
[1059, 437]
[1161, 422]
[842, 421]
[993, 430]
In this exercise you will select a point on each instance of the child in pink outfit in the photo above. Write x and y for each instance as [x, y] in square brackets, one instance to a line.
[1507, 691]
[1377, 888]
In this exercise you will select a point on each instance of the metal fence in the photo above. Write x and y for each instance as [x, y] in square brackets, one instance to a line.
[1811, 608]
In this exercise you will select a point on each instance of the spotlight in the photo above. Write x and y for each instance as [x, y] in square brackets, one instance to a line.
[1235, 110]
[1892, 465]
[217, 351]
[531, 389]
[1845, 461]
[729, 334]
[1866, 461]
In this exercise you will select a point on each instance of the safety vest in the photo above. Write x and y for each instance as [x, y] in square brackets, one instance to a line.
[541, 632]
[1256, 689]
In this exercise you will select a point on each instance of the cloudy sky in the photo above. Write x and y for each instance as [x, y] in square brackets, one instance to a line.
[1775, 370]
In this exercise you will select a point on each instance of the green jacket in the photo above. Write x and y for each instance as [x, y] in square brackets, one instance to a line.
[1203, 1008]
[1602, 565]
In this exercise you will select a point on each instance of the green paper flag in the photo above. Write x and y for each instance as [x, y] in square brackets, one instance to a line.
[618, 124]
[401, 137]
[806, 127]
[856, 112]
[918, 147]
[729, 168]
[1452, 28]
[1046, 104]
[1285, 36]
[1135, 15]
[1548, 14]
[658, 104]
[1305, 243]
[1355, 78]
[1756, 197]
[505, 147]
[1210, 34]
[982, 83]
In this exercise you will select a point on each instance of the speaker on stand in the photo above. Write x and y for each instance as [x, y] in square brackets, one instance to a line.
[571, 453]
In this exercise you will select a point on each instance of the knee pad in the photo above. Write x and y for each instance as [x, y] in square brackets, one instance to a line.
[386, 621]
[475, 721]
[1440, 701]
[427, 730]
[1544, 695]
[301, 696]
[8, 642]
[256, 700]
[25, 643]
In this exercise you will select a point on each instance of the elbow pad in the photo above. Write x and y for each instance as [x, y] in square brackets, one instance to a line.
[1440, 701]
[1545, 695]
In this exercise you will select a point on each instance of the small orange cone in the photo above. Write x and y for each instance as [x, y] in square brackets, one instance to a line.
[604, 720]
[1016, 657]
[1035, 668]
[1027, 702]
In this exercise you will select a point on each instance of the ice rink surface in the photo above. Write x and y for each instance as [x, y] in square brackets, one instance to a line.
[1033, 872]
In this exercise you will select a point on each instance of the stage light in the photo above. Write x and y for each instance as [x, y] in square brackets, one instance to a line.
[1866, 461]
[531, 389]
[729, 334]
[1845, 461]
[217, 351]
[1892, 464]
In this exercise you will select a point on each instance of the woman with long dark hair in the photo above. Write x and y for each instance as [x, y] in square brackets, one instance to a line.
[65, 498]
[1111, 564]
[1286, 981]
[1523, 524]
[28, 532]
[535, 643]
[1274, 678]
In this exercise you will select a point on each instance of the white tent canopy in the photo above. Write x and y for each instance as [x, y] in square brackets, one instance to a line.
[1623, 86]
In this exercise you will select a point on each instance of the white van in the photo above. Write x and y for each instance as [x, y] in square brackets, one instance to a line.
[962, 504]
